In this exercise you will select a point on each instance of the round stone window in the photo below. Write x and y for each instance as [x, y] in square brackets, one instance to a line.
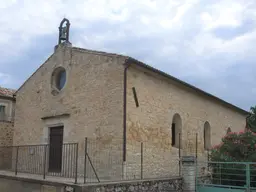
[58, 79]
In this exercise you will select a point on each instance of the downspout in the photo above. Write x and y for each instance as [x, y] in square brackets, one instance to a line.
[126, 65]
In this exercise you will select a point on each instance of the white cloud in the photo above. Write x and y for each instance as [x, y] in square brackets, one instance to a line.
[172, 35]
[224, 13]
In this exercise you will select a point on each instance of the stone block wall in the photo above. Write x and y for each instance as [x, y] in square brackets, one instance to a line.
[150, 162]
[6, 139]
[160, 99]
[164, 185]
[92, 97]
[105, 158]
[6, 133]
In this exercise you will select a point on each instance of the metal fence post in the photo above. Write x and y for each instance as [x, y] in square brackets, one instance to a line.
[141, 160]
[208, 159]
[248, 177]
[196, 145]
[220, 173]
[45, 150]
[16, 163]
[85, 158]
[76, 163]
[179, 155]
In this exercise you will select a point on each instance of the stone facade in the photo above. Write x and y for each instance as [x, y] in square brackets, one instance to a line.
[91, 105]
[6, 140]
[160, 100]
[6, 136]
[7, 103]
[92, 98]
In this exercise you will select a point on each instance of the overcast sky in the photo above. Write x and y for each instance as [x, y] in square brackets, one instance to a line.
[208, 44]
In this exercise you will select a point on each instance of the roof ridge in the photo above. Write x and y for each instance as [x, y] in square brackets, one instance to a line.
[149, 67]
[98, 52]
[142, 64]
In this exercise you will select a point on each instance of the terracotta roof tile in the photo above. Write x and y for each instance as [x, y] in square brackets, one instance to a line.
[6, 92]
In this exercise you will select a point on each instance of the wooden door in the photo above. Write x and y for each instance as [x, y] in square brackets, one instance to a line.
[55, 151]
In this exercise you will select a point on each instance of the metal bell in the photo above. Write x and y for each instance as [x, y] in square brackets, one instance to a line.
[63, 33]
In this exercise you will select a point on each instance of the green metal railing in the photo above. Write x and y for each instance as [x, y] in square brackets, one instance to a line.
[234, 175]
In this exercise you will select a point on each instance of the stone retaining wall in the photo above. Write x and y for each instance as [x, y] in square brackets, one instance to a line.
[163, 185]
[17, 183]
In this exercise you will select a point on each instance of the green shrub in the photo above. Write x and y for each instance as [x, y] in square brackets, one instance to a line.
[235, 147]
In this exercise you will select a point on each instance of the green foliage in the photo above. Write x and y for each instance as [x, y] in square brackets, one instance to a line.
[236, 147]
[251, 120]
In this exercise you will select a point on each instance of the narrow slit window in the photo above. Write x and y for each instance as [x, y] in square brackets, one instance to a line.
[135, 97]
[176, 131]
[173, 134]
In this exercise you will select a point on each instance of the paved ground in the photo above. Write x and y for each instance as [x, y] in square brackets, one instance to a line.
[60, 180]
[55, 179]
[40, 177]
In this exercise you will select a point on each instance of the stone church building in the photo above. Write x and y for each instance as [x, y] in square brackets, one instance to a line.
[120, 101]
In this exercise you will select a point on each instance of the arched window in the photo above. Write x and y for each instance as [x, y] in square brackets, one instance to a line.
[207, 135]
[176, 130]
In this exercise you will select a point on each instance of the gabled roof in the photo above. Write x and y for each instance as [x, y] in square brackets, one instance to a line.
[141, 64]
[15, 93]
